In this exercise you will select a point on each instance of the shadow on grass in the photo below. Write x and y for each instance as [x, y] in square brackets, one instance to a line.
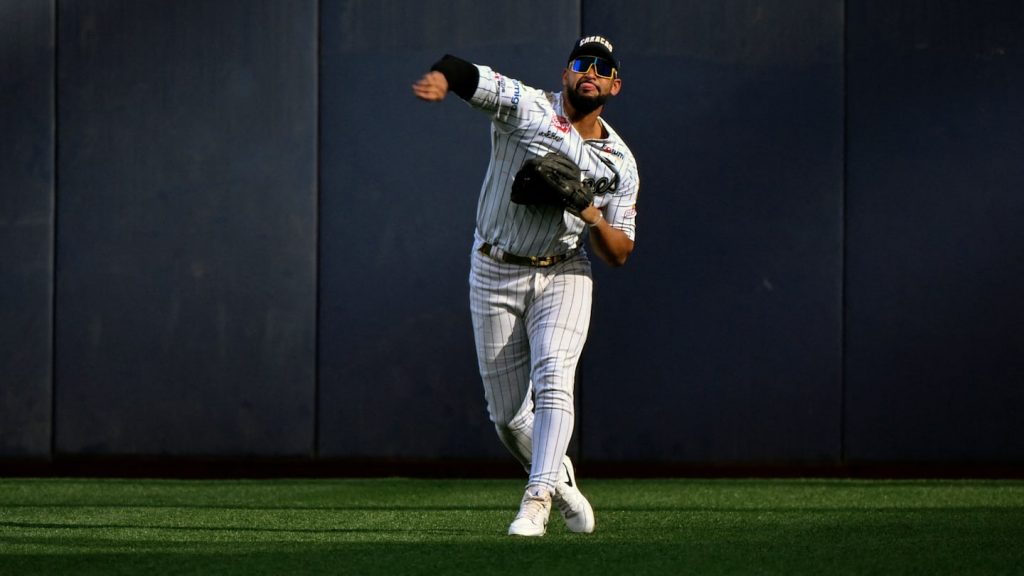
[536, 557]
[854, 541]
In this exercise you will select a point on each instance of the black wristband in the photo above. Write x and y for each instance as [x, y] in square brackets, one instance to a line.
[462, 76]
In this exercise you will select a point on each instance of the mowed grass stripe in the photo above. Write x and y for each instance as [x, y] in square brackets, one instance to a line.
[411, 526]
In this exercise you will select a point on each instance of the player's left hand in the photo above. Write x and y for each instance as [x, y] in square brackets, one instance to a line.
[552, 180]
[432, 87]
[591, 215]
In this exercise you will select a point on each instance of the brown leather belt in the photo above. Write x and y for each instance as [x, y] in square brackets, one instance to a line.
[538, 261]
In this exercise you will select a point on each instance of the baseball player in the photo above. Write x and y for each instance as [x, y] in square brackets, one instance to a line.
[557, 171]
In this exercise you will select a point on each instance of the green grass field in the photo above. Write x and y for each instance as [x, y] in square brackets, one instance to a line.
[408, 526]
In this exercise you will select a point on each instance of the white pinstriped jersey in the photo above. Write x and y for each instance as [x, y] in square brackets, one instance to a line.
[525, 123]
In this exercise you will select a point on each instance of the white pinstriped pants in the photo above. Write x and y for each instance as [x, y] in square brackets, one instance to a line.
[530, 325]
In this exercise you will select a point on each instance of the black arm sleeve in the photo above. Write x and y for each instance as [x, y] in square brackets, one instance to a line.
[462, 76]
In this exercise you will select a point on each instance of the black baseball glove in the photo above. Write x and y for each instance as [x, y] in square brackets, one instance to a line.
[552, 180]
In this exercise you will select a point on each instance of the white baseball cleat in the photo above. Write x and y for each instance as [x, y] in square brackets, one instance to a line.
[532, 519]
[575, 509]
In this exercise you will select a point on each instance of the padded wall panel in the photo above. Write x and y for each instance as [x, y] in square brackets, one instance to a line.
[719, 342]
[935, 347]
[400, 182]
[187, 227]
[26, 226]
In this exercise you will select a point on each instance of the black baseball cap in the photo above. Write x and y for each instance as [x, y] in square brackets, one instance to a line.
[594, 46]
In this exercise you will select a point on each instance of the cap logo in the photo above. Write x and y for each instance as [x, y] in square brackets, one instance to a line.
[596, 40]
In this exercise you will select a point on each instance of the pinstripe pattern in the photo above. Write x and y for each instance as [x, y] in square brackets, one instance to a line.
[526, 123]
[530, 323]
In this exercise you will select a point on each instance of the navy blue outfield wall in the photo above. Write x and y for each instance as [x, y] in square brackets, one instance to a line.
[935, 274]
[26, 226]
[187, 228]
[228, 231]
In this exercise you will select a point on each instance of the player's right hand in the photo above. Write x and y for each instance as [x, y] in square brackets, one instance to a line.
[432, 87]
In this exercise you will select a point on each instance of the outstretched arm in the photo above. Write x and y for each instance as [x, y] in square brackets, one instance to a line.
[448, 73]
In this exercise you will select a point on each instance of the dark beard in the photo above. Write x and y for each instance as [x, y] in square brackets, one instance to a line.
[586, 104]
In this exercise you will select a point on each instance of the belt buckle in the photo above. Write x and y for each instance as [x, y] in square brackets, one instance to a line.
[543, 261]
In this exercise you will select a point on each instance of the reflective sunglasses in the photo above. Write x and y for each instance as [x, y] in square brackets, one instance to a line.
[602, 67]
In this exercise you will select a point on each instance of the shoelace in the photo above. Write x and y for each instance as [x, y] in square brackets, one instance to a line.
[533, 506]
